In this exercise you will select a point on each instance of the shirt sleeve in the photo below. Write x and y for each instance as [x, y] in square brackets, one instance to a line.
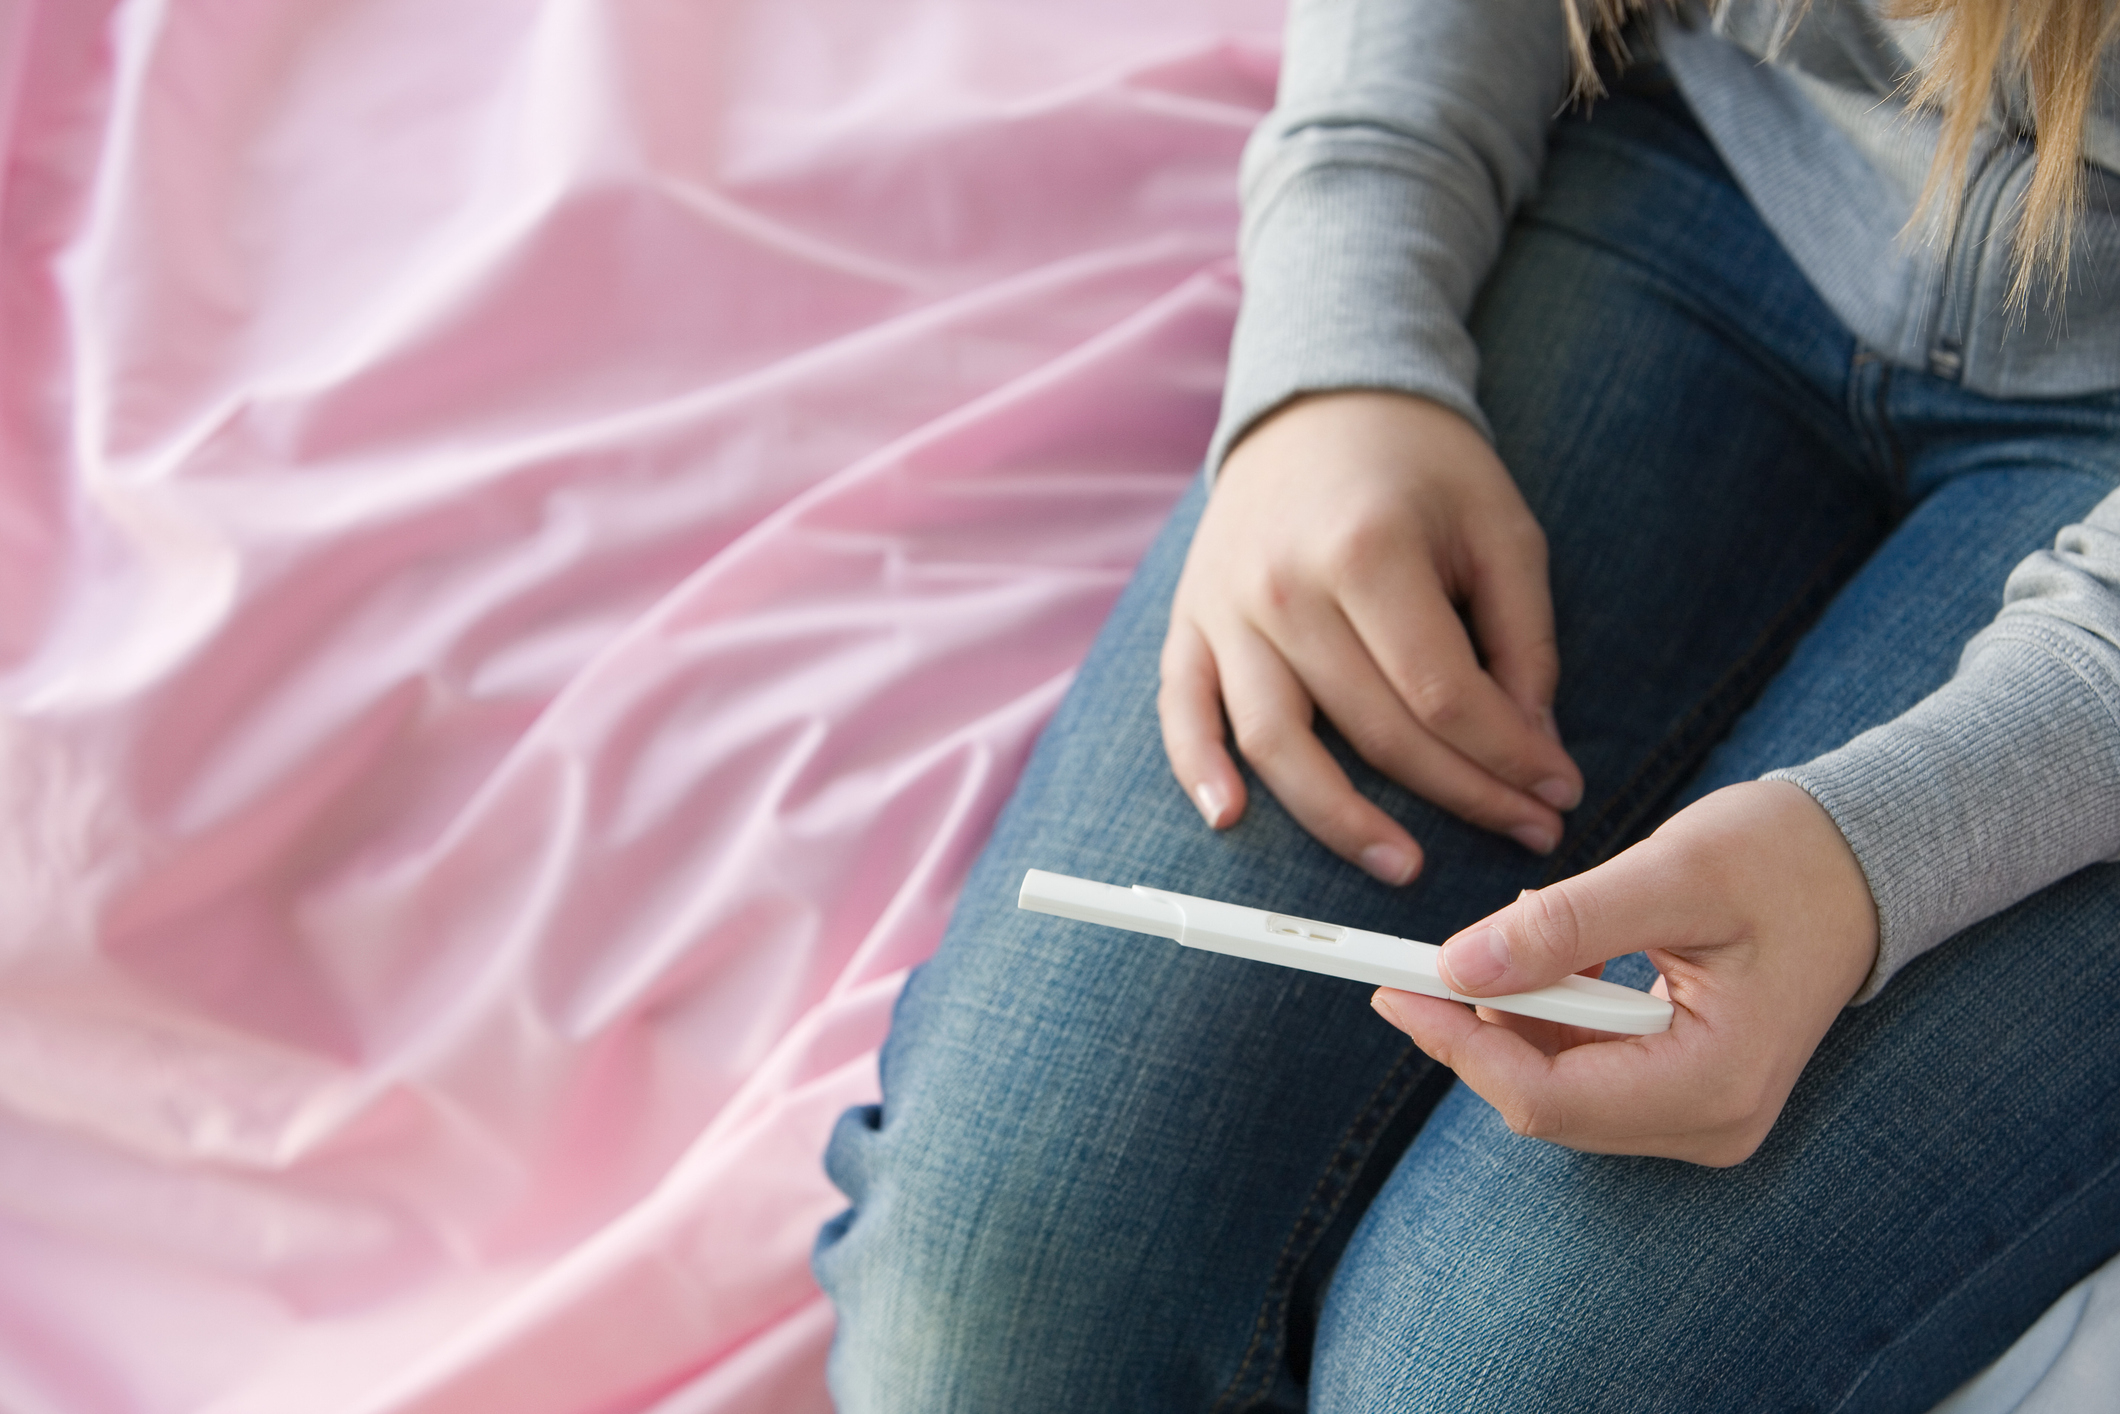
[1377, 193]
[2005, 779]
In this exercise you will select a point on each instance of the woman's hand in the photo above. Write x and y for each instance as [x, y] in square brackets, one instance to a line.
[1344, 536]
[1754, 909]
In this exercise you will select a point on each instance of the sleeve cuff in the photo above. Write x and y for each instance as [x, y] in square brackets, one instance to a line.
[2001, 782]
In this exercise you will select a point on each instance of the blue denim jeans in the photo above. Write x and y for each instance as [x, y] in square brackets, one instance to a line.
[1110, 1174]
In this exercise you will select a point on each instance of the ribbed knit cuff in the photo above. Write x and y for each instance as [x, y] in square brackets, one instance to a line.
[2001, 782]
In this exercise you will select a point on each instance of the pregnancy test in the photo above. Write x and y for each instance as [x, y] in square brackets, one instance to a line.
[1329, 948]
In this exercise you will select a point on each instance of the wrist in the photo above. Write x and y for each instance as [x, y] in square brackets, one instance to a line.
[1384, 417]
[1814, 873]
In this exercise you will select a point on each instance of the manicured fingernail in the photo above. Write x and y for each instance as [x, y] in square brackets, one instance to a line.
[1536, 838]
[1208, 796]
[1472, 960]
[1388, 862]
[1559, 793]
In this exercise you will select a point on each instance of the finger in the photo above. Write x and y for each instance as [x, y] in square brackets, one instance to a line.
[1625, 905]
[1189, 706]
[1338, 675]
[1270, 717]
[1512, 616]
[1550, 1037]
[1408, 625]
[1500, 1064]
[1614, 1096]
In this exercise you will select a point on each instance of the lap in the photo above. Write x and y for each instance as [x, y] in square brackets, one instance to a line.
[1111, 1173]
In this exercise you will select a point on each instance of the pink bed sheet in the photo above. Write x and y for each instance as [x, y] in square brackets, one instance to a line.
[535, 536]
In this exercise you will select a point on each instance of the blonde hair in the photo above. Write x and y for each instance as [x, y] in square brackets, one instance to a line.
[2050, 46]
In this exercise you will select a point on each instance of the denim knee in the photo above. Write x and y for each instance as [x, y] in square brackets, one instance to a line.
[976, 1286]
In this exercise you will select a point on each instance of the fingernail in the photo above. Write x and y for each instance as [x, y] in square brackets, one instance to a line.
[1388, 862]
[1212, 803]
[1536, 838]
[1550, 727]
[1559, 793]
[1385, 1009]
[1472, 960]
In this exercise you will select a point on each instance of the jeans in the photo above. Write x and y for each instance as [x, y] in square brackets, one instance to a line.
[1111, 1174]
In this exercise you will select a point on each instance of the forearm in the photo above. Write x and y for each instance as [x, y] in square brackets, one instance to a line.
[2008, 777]
[1377, 193]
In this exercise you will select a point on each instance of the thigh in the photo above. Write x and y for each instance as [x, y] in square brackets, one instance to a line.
[1703, 488]
[1943, 1171]
[1945, 1168]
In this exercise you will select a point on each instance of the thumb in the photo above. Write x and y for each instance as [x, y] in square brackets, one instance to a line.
[1546, 934]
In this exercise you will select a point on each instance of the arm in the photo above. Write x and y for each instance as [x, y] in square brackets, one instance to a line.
[1347, 529]
[1377, 193]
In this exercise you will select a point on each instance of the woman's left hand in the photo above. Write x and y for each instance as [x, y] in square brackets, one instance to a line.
[1753, 908]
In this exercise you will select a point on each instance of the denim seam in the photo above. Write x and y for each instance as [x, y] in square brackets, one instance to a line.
[2000, 1255]
[1897, 479]
[1665, 765]
[1356, 1144]
[1869, 416]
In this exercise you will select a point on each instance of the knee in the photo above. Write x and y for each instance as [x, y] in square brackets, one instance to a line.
[961, 1279]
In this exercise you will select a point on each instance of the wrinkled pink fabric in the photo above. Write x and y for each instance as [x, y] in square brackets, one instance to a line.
[535, 536]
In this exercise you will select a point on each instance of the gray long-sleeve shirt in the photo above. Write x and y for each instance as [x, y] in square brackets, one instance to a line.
[1376, 196]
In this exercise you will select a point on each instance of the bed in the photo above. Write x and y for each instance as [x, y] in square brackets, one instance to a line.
[534, 538]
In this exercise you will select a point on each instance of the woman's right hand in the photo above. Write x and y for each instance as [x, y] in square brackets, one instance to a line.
[1349, 541]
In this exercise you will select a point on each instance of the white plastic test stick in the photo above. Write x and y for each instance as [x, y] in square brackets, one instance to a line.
[1353, 953]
